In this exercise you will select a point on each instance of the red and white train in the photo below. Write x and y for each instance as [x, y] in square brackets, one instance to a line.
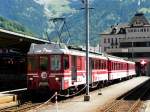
[59, 67]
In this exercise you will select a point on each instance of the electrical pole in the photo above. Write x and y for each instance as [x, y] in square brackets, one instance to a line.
[87, 96]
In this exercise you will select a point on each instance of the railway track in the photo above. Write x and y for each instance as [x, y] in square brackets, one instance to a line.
[130, 102]
[21, 108]
[25, 107]
[27, 102]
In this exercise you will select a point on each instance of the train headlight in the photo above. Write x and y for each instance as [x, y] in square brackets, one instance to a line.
[44, 75]
[31, 78]
[57, 79]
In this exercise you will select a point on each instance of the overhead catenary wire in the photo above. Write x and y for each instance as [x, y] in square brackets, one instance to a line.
[60, 29]
[68, 34]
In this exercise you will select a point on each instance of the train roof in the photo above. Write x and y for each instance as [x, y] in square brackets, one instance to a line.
[115, 58]
[131, 62]
[55, 48]
[47, 48]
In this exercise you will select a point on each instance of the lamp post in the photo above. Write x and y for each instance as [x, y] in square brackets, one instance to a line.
[87, 96]
[132, 51]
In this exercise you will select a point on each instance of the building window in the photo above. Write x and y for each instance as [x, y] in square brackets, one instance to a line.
[147, 29]
[116, 42]
[108, 40]
[104, 40]
[134, 30]
[105, 48]
[112, 41]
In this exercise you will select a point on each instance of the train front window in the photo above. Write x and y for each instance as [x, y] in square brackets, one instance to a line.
[66, 62]
[32, 64]
[43, 63]
[55, 62]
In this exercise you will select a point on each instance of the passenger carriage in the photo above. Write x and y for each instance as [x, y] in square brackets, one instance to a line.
[118, 68]
[58, 67]
[131, 69]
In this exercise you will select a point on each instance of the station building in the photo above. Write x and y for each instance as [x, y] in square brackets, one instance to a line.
[13, 58]
[130, 40]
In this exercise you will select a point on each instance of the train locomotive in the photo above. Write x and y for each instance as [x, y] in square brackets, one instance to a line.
[59, 67]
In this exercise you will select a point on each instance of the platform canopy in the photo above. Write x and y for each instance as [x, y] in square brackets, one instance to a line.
[17, 42]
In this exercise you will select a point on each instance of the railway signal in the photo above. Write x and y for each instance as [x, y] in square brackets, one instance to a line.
[143, 67]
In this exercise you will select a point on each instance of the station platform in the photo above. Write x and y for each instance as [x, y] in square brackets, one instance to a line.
[8, 100]
[77, 104]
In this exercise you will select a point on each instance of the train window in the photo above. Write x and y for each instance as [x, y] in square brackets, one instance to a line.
[117, 66]
[66, 62]
[113, 65]
[123, 66]
[104, 65]
[101, 64]
[97, 64]
[43, 63]
[79, 63]
[32, 63]
[55, 62]
[92, 64]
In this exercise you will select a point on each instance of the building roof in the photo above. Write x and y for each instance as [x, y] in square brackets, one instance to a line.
[116, 29]
[138, 20]
[19, 42]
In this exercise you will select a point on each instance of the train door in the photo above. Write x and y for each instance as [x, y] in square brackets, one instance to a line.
[74, 68]
[128, 69]
[91, 66]
[43, 71]
[109, 69]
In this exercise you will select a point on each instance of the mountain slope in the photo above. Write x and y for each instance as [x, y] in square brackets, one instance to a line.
[26, 12]
[14, 26]
[35, 15]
